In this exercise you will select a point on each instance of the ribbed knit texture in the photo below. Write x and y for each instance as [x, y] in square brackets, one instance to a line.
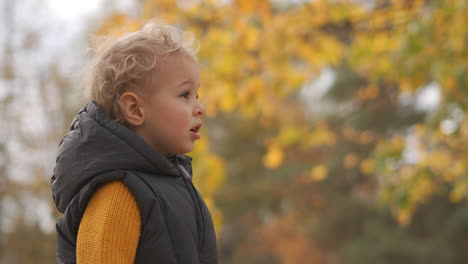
[110, 227]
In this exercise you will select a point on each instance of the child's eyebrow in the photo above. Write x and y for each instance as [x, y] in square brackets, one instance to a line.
[187, 81]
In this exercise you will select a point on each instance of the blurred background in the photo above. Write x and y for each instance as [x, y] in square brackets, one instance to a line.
[335, 131]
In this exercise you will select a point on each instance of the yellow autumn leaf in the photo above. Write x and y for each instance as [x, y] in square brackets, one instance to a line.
[404, 216]
[319, 173]
[422, 189]
[289, 135]
[459, 192]
[367, 166]
[274, 157]
[438, 160]
[397, 144]
[252, 36]
[228, 99]
[245, 6]
[449, 84]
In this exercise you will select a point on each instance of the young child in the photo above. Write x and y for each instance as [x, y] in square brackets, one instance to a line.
[122, 179]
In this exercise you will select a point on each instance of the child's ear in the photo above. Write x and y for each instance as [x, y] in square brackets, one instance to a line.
[132, 108]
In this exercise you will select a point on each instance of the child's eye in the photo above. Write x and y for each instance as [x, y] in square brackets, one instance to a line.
[186, 94]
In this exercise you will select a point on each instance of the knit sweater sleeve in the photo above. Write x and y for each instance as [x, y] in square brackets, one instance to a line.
[110, 227]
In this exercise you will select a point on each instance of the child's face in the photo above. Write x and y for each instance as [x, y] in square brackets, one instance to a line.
[173, 108]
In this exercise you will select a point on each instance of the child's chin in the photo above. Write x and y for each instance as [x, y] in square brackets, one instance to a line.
[184, 149]
[190, 148]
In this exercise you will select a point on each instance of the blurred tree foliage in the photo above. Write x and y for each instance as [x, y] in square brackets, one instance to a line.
[37, 103]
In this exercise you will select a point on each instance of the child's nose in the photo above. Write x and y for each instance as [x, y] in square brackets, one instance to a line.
[199, 109]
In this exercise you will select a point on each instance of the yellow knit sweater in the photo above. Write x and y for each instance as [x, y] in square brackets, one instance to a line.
[110, 227]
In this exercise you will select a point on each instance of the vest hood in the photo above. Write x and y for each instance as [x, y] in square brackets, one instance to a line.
[96, 144]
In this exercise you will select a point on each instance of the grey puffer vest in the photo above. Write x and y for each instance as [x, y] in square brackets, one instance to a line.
[176, 224]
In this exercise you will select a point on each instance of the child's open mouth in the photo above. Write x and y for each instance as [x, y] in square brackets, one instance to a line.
[194, 131]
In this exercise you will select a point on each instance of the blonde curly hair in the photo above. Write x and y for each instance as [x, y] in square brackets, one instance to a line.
[128, 62]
